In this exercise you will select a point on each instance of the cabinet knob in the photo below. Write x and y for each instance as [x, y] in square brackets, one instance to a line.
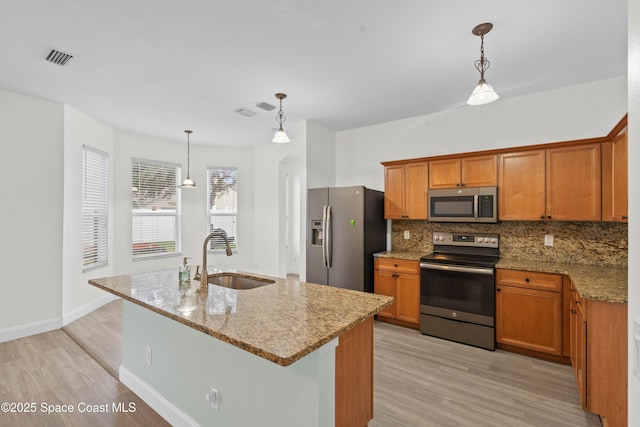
[526, 279]
[548, 216]
[541, 216]
[625, 217]
[458, 184]
[578, 302]
[463, 184]
[498, 289]
[573, 311]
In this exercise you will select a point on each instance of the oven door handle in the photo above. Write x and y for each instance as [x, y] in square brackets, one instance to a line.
[457, 268]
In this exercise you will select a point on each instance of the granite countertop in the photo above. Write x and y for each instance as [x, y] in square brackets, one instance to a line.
[593, 282]
[281, 322]
[411, 256]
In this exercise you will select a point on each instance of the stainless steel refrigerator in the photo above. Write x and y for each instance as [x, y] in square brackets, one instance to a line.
[346, 226]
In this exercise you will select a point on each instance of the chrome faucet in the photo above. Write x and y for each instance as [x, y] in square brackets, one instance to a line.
[217, 232]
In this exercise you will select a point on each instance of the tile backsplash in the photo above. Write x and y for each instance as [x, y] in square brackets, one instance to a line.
[592, 243]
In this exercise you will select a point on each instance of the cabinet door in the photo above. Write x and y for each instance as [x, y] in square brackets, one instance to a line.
[408, 298]
[579, 352]
[416, 190]
[444, 173]
[573, 183]
[521, 189]
[394, 192]
[529, 319]
[479, 171]
[385, 284]
[615, 179]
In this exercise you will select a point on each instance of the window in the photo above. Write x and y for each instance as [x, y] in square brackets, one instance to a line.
[222, 205]
[155, 228]
[95, 207]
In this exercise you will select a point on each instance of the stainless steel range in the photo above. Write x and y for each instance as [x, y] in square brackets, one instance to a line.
[457, 288]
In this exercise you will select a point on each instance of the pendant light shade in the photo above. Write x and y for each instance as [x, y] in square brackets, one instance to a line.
[188, 183]
[281, 136]
[483, 93]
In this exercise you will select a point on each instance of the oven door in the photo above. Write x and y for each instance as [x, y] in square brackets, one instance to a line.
[458, 292]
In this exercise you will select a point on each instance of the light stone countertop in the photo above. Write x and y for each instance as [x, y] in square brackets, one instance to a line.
[593, 282]
[281, 322]
[411, 256]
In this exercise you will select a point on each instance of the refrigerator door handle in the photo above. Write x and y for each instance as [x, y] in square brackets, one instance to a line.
[324, 236]
[328, 237]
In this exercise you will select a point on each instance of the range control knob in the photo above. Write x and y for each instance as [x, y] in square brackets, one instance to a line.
[494, 240]
[481, 239]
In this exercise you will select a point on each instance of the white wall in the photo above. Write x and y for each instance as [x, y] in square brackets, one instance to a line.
[193, 201]
[78, 297]
[634, 202]
[32, 207]
[576, 112]
[321, 155]
[272, 162]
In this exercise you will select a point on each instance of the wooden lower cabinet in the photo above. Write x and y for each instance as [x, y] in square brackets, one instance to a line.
[599, 357]
[399, 279]
[354, 376]
[578, 352]
[529, 311]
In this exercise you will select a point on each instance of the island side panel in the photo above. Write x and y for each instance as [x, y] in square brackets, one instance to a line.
[354, 376]
[186, 363]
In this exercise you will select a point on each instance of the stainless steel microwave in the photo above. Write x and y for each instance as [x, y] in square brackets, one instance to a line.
[463, 205]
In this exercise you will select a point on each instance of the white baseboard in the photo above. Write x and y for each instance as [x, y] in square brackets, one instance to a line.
[159, 403]
[29, 329]
[87, 308]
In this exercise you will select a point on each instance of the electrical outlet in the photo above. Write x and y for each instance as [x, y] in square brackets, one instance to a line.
[407, 235]
[147, 355]
[213, 398]
[548, 239]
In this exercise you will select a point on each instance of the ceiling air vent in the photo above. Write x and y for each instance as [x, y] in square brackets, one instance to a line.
[245, 112]
[59, 58]
[265, 106]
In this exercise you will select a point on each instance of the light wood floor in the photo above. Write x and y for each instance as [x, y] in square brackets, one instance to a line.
[51, 369]
[420, 381]
[425, 381]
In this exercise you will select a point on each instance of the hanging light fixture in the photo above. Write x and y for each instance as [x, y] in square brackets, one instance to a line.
[188, 183]
[483, 93]
[280, 136]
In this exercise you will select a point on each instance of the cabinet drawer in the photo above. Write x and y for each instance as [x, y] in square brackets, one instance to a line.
[529, 280]
[398, 265]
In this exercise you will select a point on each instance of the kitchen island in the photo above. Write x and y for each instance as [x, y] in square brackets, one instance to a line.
[288, 353]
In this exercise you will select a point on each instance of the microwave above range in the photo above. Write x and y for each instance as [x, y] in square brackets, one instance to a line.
[463, 205]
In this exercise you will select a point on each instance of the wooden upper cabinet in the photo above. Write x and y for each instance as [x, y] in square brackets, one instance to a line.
[405, 191]
[521, 189]
[394, 191]
[473, 171]
[573, 183]
[615, 178]
[561, 184]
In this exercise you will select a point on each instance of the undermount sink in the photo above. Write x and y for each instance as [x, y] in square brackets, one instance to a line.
[238, 282]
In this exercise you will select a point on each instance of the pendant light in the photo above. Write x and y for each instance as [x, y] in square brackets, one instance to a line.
[483, 93]
[280, 136]
[188, 183]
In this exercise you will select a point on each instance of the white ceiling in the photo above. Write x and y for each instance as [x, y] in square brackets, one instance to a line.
[158, 67]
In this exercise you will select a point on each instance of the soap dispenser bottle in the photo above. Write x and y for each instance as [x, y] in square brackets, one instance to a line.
[184, 271]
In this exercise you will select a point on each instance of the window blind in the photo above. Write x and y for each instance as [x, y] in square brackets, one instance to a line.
[155, 210]
[222, 205]
[95, 207]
